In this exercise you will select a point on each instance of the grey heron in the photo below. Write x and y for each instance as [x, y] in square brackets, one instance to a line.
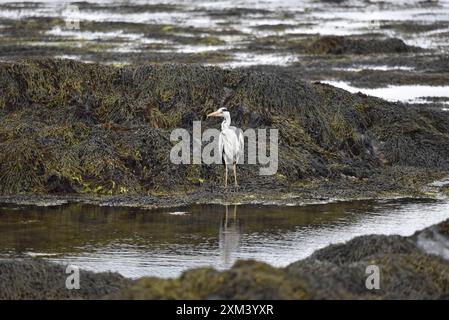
[230, 143]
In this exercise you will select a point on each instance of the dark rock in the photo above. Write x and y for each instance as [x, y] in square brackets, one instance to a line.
[347, 45]
[360, 248]
[38, 279]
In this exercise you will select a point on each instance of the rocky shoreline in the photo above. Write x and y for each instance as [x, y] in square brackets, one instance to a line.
[316, 192]
[415, 267]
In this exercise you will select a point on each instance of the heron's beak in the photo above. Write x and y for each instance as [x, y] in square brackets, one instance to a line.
[214, 114]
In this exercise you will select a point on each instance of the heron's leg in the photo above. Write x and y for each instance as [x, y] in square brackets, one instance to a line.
[235, 175]
[226, 175]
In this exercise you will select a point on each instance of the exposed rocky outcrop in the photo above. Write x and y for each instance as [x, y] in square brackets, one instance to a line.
[69, 127]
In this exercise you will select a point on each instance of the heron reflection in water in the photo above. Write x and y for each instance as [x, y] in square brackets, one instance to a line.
[229, 236]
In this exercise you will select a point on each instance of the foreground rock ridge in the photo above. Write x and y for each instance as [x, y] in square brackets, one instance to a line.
[415, 267]
[72, 128]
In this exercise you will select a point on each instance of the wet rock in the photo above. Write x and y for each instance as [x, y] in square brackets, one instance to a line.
[362, 247]
[435, 240]
[38, 279]
[59, 185]
[347, 45]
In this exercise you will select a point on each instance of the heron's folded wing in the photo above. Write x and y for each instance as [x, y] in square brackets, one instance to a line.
[241, 141]
[220, 146]
[238, 143]
[229, 144]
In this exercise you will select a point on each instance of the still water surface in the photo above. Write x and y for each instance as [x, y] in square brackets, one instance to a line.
[164, 243]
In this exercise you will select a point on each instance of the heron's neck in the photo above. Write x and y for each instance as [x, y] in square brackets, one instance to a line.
[226, 122]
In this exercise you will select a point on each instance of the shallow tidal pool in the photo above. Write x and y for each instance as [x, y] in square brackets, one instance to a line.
[164, 243]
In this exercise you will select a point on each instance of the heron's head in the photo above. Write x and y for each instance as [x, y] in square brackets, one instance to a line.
[219, 113]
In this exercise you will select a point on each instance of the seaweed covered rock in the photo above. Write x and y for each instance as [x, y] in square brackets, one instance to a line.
[69, 127]
[348, 45]
[363, 247]
[38, 279]
[246, 280]
[402, 276]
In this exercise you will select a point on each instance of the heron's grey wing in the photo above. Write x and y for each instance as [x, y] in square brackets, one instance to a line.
[220, 146]
[229, 145]
[239, 146]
